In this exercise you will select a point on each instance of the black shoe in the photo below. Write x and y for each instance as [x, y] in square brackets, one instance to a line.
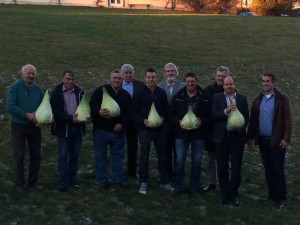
[235, 201]
[35, 186]
[74, 185]
[104, 185]
[279, 204]
[132, 175]
[175, 193]
[62, 187]
[265, 199]
[194, 193]
[121, 184]
[209, 188]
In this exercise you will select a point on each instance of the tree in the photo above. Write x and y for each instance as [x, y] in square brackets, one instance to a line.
[212, 6]
[273, 7]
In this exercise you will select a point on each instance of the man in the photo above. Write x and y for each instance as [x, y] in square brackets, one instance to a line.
[141, 104]
[270, 127]
[171, 86]
[217, 87]
[192, 96]
[68, 129]
[132, 86]
[229, 141]
[23, 98]
[109, 131]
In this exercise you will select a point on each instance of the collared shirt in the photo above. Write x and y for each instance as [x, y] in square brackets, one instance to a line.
[128, 86]
[70, 101]
[170, 86]
[266, 112]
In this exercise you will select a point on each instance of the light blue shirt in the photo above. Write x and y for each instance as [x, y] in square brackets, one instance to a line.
[128, 87]
[266, 112]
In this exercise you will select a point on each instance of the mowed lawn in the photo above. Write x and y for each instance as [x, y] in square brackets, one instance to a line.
[94, 41]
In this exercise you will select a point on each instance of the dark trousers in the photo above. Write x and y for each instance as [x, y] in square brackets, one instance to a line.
[170, 152]
[273, 161]
[20, 134]
[132, 148]
[158, 138]
[229, 150]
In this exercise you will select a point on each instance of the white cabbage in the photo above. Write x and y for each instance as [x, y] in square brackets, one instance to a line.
[190, 121]
[109, 103]
[235, 119]
[153, 117]
[83, 111]
[43, 113]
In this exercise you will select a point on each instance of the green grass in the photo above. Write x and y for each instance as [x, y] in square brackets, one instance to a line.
[94, 41]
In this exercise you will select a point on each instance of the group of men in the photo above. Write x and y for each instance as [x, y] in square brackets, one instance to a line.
[269, 125]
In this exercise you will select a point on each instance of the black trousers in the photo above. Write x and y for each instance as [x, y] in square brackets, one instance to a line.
[132, 148]
[230, 151]
[273, 161]
[20, 134]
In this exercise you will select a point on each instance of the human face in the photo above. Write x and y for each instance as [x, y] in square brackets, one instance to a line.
[220, 76]
[170, 74]
[190, 84]
[150, 80]
[28, 74]
[68, 81]
[116, 80]
[229, 86]
[267, 84]
[128, 76]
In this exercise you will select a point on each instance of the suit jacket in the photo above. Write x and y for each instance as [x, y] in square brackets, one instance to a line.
[219, 118]
[137, 85]
[177, 86]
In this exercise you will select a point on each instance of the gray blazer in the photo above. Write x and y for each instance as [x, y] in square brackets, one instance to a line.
[177, 86]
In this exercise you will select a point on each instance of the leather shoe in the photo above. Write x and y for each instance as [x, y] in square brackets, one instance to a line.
[209, 188]
[235, 201]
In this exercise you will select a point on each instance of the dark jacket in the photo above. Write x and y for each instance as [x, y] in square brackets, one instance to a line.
[122, 98]
[219, 118]
[62, 120]
[141, 104]
[212, 89]
[282, 119]
[179, 108]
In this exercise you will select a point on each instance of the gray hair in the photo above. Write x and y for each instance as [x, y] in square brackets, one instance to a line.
[171, 65]
[27, 65]
[223, 69]
[127, 67]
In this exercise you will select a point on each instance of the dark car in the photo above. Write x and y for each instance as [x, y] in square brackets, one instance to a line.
[247, 14]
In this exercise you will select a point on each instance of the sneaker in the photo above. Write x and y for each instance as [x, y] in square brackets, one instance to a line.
[167, 187]
[143, 188]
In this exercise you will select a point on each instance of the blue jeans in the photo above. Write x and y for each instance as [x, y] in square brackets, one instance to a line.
[68, 153]
[116, 142]
[182, 146]
[158, 138]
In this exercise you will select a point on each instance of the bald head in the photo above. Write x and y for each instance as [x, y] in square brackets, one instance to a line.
[229, 86]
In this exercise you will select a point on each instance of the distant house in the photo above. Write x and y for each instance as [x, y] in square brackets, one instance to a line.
[134, 4]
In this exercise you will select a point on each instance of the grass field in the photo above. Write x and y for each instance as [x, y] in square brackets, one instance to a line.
[94, 41]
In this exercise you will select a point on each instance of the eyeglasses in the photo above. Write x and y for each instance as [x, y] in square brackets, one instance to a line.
[128, 72]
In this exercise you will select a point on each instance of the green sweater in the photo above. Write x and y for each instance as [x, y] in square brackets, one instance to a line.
[22, 99]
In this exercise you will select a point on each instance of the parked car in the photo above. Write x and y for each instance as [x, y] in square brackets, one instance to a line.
[247, 14]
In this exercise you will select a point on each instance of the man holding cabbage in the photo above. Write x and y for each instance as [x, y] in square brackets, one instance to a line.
[149, 108]
[69, 127]
[230, 118]
[190, 115]
[109, 104]
[23, 98]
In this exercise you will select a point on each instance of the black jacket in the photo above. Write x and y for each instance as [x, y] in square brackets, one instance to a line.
[201, 108]
[122, 98]
[62, 120]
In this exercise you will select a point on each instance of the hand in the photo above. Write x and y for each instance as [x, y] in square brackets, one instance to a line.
[283, 144]
[230, 108]
[31, 117]
[104, 112]
[147, 123]
[118, 127]
[75, 119]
